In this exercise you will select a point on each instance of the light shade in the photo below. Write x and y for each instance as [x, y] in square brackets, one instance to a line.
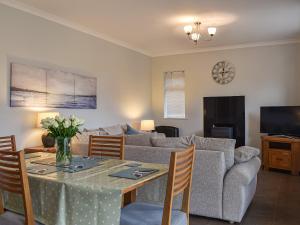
[44, 115]
[212, 31]
[195, 36]
[147, 125]
[188, 29]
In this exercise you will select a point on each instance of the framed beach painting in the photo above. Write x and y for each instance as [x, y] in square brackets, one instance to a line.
[33, 86]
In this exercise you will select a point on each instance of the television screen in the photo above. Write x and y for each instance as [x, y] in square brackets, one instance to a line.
[280, 120]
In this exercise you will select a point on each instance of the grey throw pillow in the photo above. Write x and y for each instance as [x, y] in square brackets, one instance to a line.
[90, 130]
[245, 153]
[84, 137]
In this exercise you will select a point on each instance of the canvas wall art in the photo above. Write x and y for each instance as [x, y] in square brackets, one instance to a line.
[32, 86]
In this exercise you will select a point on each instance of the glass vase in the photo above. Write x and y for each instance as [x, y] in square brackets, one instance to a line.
[63, 151]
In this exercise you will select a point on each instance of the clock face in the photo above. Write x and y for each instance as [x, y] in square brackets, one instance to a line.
[223, 72]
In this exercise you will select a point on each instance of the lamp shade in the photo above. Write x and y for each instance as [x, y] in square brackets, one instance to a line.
[44, 115]
[147, 125]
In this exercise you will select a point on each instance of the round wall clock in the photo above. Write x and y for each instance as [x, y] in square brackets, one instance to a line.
[223, 72]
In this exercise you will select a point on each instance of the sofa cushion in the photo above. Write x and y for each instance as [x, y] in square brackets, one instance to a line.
[84, 136]
[218, 144]
[143, 139]
[114, 130]
[100, 130]
[245, 153]
[138, 139]
[172, 142]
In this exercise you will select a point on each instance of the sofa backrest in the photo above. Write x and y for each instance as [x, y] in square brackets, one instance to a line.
[208, 175]
[218, 144]
[142, 139]
[159, 140]
[172, 142]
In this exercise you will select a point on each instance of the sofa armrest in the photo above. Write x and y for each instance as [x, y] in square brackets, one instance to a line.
[243, 173]
[239, 189]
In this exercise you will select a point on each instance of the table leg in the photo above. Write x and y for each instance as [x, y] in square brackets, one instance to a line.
[129, 197]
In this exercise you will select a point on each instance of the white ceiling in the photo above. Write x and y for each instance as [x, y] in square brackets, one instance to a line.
[155, 27]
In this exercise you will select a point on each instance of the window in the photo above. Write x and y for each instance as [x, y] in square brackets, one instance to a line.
[174, 105]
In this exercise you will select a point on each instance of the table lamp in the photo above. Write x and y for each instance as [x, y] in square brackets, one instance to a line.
[147, 125]
[48, 141]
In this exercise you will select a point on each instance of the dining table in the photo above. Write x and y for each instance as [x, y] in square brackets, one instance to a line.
[91, 196]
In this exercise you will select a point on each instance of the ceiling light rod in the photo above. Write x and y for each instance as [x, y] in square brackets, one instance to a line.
[193, 32]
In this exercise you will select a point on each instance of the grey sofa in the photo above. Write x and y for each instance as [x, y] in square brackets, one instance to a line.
[220, 189]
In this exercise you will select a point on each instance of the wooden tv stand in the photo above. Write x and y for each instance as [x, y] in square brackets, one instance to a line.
[281, 153]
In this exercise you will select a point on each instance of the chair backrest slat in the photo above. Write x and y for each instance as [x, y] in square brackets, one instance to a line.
[108, 146]
[179, 181]
[13, 176]
[7, 143]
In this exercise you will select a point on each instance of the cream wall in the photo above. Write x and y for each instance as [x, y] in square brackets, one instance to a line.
[265, 75]
[124, 76]
[298, 68]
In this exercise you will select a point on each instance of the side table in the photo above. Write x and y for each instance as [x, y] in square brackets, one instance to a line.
[40, 149]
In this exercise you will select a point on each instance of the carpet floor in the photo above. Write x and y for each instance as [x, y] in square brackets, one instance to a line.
[276, 202]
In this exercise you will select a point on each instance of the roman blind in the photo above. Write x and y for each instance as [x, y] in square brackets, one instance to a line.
[174, 89]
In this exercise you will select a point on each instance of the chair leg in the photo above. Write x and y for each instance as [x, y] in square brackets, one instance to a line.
[1, 204]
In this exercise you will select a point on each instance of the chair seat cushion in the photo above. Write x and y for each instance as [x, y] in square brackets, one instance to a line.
[148, 214]
[10, 218]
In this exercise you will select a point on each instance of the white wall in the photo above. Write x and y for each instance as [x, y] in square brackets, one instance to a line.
[124, 76]
[265, 75]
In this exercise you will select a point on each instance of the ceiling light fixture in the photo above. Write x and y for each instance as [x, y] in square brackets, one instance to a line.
[193, 32]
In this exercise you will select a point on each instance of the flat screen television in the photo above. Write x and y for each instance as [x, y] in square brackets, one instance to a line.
[280, 120]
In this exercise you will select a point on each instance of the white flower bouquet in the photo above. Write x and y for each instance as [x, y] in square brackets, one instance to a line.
[63, 130]
[62, 127]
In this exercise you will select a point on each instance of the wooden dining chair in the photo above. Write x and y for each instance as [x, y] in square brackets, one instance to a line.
[108, 146]
[179, 181]
[8, 143]
[13, 179]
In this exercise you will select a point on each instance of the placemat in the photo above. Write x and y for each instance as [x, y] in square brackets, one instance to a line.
[133, 164]
[78, 163]
[134, 173]
[75, 160]
[42, 169]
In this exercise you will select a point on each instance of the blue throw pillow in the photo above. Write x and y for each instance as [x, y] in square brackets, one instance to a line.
[131, 130]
